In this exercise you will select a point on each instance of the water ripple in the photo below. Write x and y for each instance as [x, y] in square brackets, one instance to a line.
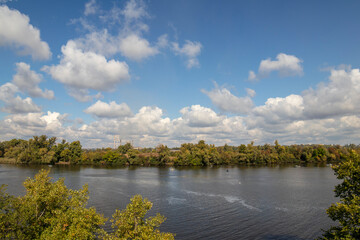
[228, 198]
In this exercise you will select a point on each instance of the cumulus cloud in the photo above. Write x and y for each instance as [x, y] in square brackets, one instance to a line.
[285, 65]
[322, 115]
[198, 116]
[16, 104]
[27, 81]
[27, 120]
[7, 91]
[136, 48]
[190, 50]
[87, 70]
[19, 105]
[31, 124]
[227, 102]
[149, 120]
[280, 109]
[338, 97]
[17, 32]
[109, 110]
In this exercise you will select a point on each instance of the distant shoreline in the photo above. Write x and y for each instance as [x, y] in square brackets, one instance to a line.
[44, 150]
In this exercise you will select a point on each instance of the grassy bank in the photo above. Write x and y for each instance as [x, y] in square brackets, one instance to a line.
[7, 160]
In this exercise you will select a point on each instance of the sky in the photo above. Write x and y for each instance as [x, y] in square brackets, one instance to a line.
[169, 72]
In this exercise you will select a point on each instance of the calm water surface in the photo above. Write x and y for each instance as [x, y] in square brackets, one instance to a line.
[208, 203]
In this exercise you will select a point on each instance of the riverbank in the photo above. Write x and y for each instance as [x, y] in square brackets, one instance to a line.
[8, 160]
[43, 150]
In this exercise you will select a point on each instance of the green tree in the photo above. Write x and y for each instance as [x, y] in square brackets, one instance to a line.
[76, 150]
[164, 154]
[111, 156]
[125, 148]
[347, 211]
[49, 210]
[6, 218]
[131, 223]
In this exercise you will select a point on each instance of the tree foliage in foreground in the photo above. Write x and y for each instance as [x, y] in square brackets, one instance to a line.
[131, 223]
[49, 210]
[347, 211]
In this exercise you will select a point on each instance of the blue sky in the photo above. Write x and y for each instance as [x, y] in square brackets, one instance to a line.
[180, 71]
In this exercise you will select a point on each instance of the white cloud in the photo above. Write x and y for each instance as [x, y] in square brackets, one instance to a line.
[250, 92]
[27, 120]
[198, 116]
[83, 95]
[100, 42]
[109, 110]
[17, 32]
[15, 104]
[190, 50]
[163, 41]
[327, 114]
[252, 76]
[19, 105]
[31, 124]
[131, 46]
[285, 65]
[134, 10]
[87, 70]
[90, 8]
[27, 81]
[136, 48]
[281, 109]
[149, 121]
[227, 102]
[341, 96]
[338, 97]
[54, 121]
[7, 91]
[129, 41]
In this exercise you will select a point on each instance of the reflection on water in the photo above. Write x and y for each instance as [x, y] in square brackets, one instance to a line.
[208, 203]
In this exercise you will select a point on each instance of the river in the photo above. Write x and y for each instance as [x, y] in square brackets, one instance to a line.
[207, 203]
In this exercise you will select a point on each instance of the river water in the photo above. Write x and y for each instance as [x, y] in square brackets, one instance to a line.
[208, 203]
